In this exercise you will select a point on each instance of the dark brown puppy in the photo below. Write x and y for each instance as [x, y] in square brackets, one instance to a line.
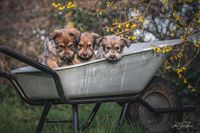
[86, 47]
[60, 47]
[112, 47]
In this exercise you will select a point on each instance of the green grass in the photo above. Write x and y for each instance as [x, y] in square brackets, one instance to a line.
[20, 118]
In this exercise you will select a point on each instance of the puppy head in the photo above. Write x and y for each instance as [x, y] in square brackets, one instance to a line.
[87, 44]
[113, 46]
[65, 42]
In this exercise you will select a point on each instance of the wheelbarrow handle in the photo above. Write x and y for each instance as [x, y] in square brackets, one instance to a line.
[38, 66]
[26, 60]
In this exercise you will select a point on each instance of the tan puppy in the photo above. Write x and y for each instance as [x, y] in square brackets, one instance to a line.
[86, 47]
[60, 47]
[112, 47]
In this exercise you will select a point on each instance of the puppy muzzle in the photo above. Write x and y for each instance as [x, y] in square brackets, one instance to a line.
[85, 56]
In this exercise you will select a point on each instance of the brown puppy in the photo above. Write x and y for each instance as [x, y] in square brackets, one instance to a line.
[86, 47]
[112, 47]
[60, 47]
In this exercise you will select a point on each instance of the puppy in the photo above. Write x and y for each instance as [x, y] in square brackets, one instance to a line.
[111, 47]
[60, 47]
[86, 47]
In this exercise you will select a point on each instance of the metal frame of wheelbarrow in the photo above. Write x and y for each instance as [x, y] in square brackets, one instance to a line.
[123, 100]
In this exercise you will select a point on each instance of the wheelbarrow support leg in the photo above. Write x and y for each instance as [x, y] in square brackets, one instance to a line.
[75, 118]
[43, 117]
[123, 113]
[91, 117]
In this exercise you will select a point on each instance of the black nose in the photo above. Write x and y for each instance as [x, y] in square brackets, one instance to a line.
[112, 56]
[64, 58]
[84, 54]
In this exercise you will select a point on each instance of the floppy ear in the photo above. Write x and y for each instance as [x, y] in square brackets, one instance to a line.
[100, 40]
[97, 39]
[126, 42]
[54, 34]
[75, 34]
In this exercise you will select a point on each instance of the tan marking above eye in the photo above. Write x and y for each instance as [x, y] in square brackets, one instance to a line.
[70, 45]
[80, 45]
[61, 46]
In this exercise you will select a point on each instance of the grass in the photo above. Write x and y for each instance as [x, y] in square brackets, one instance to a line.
[21, 118]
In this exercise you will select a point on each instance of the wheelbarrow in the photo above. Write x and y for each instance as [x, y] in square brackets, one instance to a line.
[130, 80]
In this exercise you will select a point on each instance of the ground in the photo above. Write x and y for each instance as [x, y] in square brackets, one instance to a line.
[21, 118]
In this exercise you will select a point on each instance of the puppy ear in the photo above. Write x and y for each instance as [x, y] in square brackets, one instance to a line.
[54, 34]
[126, 42]
[97, 39]
[96, 35]
[75, 34]
[100, 40]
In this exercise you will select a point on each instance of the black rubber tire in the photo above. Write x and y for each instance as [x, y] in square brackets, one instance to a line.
[158, 94]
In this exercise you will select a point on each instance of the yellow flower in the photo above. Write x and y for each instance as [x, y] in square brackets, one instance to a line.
[184, 81]
[129, 37]
[108, 29]
[158, 50]
[134, 17]
[179, 75]
[180, 70]
[176, 16]
[111, 29]
[127, 25]
[167, 49]
[172, 35]
[198, 21]
[108, 4]
[180, 55]
[141, 19]
[61, 8]
[164, 2]
[189, 1]
[71, 5]
[133, 38]
[197, 44]
[167, 65]
[133, 26]
[193, 90]
[163, 10]
[119, 26]
[55, 5]
[182, 38]
[100, 12]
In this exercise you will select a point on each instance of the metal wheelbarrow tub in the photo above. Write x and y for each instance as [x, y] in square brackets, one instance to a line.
[93, 82]
[130, 75]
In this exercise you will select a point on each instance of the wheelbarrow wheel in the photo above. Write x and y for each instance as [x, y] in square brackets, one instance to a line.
[159, 95]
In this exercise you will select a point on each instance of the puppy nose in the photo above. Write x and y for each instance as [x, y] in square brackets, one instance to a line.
[64, 58]
[84, 54]
[112, 56]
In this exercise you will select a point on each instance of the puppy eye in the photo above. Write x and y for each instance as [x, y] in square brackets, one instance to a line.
[60, 47]
[117, 48]
[90, 45]
[108, 48]
[70, 46]
[80, 45]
